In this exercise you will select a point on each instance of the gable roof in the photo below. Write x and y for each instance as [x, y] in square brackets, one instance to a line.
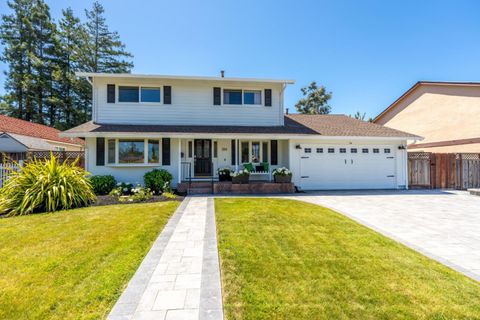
[421, 83]
[295, 124]
[26, 128]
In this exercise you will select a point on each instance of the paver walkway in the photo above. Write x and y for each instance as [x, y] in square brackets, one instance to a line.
[442, 225]
[180, 277]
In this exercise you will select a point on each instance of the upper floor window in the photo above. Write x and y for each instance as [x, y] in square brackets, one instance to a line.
[128, 94]
[232, 96]
[138, 94]
[150, 94]
[252, 97]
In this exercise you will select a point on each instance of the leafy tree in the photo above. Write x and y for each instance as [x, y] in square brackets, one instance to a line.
[107, 52]
[315, 100]
[361, 116]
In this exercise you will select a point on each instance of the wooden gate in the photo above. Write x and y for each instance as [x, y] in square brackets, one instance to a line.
[444, 170]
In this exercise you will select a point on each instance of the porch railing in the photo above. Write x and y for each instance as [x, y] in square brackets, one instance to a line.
[186, 173]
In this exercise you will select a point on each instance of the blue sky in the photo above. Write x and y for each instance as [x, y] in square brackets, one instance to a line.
[366, 52]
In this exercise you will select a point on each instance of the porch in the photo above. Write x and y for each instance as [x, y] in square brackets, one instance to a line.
[200, 159]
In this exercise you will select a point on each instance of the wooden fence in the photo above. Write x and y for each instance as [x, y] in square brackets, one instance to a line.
[68, 156]
[444, 170]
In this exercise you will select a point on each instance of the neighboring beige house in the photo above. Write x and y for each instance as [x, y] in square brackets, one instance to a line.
[17, 136]
[446, 114]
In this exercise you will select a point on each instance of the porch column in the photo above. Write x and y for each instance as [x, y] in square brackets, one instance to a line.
[236, 154]
[179, 160]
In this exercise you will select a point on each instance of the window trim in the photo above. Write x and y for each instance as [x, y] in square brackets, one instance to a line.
[145, 163]
[250, 149]
[146, 85]
[243, 89]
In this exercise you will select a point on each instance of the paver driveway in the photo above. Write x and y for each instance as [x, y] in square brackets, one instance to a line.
[442, 225]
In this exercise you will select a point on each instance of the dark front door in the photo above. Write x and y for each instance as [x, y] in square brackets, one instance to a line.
[203, 157]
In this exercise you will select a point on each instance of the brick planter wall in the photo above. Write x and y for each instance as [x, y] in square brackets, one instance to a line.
[252, 188]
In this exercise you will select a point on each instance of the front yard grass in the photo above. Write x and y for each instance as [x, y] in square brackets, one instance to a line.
[74, 264]
[285, 259]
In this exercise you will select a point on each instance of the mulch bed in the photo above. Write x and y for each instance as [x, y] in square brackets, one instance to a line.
[109, 200]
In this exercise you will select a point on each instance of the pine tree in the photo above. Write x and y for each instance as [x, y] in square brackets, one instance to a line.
[107, 52]
[72, 39]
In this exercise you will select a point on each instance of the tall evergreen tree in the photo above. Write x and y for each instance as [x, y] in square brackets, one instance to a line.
[107, 52]
[72, 39]
[315, 100]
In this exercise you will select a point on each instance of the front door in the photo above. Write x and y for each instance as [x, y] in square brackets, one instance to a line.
[203, 157]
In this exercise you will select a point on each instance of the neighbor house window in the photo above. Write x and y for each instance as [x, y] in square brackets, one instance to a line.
[153, 151]
[252, 97]
[232, 96]
[111, 151]
[244, 148]
[128, 94]
[149, 94]
[131, 151]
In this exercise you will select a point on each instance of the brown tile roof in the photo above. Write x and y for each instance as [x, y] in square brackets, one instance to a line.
[26, 128]
[295, 124]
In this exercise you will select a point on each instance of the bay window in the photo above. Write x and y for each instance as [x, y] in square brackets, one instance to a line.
[133, 151]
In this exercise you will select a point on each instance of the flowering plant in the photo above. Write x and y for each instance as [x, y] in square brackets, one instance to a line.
[224, 171]
[241, 173]
[282, 172]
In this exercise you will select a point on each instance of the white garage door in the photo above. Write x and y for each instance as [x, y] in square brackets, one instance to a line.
[331, 167]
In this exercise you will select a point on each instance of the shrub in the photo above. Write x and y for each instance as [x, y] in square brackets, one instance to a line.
[45, 185]
[103, 184]
[157, 180]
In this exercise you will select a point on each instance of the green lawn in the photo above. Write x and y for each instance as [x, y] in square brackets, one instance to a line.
[285, 259]
[74, 264]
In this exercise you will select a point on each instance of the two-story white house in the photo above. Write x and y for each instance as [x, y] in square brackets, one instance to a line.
[191, 126]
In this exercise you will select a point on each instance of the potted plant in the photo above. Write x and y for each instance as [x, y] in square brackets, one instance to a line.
[241, 176]
[224, 174]
[282, 175]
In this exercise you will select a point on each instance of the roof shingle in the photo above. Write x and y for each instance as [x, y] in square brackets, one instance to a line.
[295, 124]
[26, 128]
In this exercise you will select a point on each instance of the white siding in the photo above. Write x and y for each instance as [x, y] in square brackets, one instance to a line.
[192, 104]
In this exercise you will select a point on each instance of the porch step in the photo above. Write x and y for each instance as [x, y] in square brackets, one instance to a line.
[475, 192]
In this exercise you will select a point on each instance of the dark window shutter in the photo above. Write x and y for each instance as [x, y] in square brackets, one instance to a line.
[274, 152]
[110, 93]
[100, 151]
[167, 94]
[268, 97]
[166, 151]
[217, 93]
[234, 153]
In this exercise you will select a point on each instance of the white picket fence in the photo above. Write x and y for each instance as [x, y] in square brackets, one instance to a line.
[5, 170]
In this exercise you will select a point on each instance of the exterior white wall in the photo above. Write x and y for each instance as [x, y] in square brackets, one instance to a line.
[132, 174]
[400, 156]
[192, 104]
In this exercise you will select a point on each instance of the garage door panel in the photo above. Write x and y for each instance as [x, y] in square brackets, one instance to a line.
[357, 167]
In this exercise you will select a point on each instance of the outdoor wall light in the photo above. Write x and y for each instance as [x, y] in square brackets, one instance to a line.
[298, 146]
[401, 148]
